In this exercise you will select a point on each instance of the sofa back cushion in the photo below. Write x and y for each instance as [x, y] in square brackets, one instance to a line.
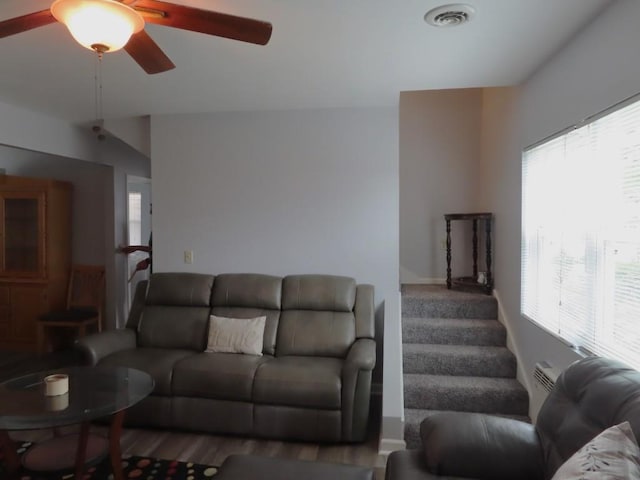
[176, 311]
[590, 396]
[249, 295]
[318, 292]
[317, 316]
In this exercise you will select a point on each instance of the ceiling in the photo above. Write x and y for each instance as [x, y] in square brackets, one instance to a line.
[323, 53]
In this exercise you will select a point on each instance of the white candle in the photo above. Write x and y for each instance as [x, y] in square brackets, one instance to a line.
[57, 403]
[57, 384]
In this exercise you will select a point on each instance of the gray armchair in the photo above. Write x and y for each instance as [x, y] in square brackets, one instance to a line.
[592, 395]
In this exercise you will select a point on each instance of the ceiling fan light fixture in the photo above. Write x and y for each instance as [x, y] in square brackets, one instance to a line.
[99, 25]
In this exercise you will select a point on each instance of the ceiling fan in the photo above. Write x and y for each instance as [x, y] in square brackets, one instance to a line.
[109, 25]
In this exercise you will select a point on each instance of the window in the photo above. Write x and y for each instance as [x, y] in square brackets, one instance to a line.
[581, 235]
[135, 218]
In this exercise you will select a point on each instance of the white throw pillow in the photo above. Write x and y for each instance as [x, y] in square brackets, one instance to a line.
[612, 455]
[236, 335]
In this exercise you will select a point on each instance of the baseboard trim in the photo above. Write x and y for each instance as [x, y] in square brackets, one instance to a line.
[388, 445]
[391, 436]
[512, 345]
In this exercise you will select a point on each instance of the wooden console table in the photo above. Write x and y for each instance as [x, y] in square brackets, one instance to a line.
[471, 282]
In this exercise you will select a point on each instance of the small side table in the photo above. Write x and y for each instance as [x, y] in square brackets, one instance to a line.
[471, 282]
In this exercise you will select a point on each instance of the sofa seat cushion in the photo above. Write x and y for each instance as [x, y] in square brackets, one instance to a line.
[223, 376]
[157, 362]
[299, 381]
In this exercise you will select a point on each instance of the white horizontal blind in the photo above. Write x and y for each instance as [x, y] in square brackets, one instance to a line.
[581, 235]
[135, 218]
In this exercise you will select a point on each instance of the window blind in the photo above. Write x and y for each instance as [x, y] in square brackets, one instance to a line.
[581, 235]
[135, 218]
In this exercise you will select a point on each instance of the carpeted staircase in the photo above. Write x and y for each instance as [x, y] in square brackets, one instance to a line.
[455, 357]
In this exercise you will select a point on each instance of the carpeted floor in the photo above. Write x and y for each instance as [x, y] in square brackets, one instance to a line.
[455, 357]
[132, 467]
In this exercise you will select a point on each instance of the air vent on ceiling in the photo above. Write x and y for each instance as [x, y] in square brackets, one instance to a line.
[449, 15]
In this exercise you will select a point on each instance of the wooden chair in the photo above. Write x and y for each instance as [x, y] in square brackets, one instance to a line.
[85, 296]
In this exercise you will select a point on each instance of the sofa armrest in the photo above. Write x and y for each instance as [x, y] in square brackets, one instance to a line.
[481, 446]
[361, 356]
[356, 389]
[137, 305]
[409, 465]
[98, 345]
[365, 311]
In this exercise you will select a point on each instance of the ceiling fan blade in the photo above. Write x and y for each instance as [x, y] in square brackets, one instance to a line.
[205, 21]
[148, 54]
[26, 22]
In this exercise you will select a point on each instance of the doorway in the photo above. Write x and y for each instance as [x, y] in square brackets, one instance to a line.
[138, 229]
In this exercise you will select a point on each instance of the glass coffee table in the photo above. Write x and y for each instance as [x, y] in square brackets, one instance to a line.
[94, 392]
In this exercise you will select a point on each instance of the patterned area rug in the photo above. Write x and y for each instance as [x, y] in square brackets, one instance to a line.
[133, 467]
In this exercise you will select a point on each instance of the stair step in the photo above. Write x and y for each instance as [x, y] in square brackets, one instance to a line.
[471, 394]
[454, 357]
[453, 331]
[464, 360]
[413, 417]
[435, 301]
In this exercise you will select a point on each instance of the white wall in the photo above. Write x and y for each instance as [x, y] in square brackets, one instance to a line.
[311, 191]
[598, 68]
[439, 168]
[90, 183]
[99, 208]
[134, 131]
[51, 141]
[38, 132]
[124, 161]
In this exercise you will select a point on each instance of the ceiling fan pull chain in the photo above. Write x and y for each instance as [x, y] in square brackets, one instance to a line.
[95, 89]
[97, 128]
[100, 102]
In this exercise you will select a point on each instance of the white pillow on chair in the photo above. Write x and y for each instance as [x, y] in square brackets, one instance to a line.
[612, 455]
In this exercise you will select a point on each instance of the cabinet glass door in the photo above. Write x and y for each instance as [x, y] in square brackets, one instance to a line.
[22, 248]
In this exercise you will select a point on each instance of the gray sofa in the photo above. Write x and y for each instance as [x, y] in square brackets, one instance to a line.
[590, 396]
[312, 382]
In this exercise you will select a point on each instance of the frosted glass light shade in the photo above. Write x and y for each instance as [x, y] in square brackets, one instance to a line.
[104, 25]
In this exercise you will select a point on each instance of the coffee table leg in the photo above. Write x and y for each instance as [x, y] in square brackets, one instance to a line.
[115, 432]
[81, 452]
[10, 455]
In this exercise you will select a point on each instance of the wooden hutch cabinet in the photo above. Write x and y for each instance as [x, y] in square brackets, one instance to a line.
[35, 255]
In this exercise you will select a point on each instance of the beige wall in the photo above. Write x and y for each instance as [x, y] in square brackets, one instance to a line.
[439, 173]
[599, 68]
[460, 150]
[501, 160]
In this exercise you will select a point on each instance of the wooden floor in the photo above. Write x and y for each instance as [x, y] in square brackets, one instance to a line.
[213, 449]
